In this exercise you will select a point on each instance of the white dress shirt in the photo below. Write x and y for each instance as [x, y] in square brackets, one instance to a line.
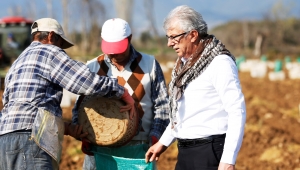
[212, 104]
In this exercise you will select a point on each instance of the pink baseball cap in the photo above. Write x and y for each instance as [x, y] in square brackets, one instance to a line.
[115, 33]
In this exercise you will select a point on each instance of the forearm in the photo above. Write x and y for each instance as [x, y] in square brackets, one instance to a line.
[234, 137]
[76, 77]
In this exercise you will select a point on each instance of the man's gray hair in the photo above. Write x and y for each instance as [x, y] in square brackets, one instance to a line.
[41, 35]
[186, 18]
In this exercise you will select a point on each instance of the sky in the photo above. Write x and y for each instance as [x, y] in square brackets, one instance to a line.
[214, 12]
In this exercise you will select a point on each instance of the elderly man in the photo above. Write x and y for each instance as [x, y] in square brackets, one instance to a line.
[140, 73]
[31, 125]
[207, 105]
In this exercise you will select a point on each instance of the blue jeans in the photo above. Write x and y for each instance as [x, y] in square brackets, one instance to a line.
[18, 151]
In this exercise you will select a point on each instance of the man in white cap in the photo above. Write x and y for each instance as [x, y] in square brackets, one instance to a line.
[31, 125]
[140, 73]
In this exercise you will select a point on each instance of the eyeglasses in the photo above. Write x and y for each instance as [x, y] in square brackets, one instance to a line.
[175, 36]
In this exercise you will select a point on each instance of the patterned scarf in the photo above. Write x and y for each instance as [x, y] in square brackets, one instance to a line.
[182, 74]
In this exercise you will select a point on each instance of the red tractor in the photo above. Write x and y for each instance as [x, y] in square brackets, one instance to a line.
[15, 36]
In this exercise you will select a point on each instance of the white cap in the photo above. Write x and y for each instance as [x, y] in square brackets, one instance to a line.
[115, 33]
[49, 24]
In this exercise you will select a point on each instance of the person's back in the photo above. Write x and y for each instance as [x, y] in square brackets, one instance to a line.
[28, 76]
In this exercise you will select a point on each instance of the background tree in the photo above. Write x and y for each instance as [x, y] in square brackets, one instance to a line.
[49, 8]
[86, 26]
[65, 16]
[150, 15]
[124, 9]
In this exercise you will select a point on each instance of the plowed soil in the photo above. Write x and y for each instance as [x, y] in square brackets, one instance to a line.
[272, 137]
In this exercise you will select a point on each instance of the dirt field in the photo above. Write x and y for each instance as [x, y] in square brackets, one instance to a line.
[272, 137]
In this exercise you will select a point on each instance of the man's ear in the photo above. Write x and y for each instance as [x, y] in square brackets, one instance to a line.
[52, 37]
[195, 35]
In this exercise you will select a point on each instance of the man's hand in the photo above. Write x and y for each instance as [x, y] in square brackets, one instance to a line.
[75, 131]
[130, 104]
[225, 166]
[154, 152]
[86, 147]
